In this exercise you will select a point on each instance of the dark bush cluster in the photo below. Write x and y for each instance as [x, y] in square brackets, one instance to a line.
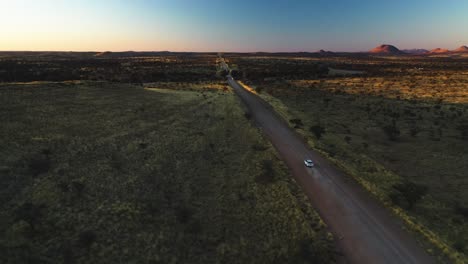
[317, 130]
[407, 193]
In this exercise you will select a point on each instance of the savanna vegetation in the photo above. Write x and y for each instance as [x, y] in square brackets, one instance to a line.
[100, 172]
[261, 68]
[398, 125]
[127, 67]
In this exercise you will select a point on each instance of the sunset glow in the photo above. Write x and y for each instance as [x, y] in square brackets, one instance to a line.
[185, 25]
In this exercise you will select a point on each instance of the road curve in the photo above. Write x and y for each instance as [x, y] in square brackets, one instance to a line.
[365, 231]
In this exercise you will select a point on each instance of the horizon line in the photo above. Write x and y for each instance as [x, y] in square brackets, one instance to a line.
[188, 51]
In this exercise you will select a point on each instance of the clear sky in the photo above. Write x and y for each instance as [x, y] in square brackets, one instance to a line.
[234, 25]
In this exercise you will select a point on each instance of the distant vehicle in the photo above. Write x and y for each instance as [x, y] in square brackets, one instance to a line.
[309, 163]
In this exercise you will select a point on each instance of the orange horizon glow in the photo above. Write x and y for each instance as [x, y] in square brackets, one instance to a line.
[247, 26]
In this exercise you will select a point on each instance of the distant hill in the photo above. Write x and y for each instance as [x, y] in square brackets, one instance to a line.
[110, 54]
[415, 51]
[325, 52]
[386, 49]
[101, 54]
[439, 50]
[462, 49]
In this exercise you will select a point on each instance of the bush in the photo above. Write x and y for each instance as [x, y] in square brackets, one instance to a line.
[347, 139]
[415, 131]
[459, 245]
[318, 131]
[407, 194]
[87, 238]
[461, 210]
[392, 131]
[463, 128]
[77, 187]
[314, 251]
[184, 214]
[268, 173]
[39, 164]
[297, 122]
[30, 213]
[259, 147]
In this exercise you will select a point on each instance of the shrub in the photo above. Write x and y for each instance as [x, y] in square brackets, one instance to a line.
[268, 173]
[259, 147]
[314, 251]
[30, 213]
[39, 164]
[87, 238]
[392, 131]
[184, 214]
[407, 194]
[415, 131]
[297, 122]
[463, 128]
[77, 187]
[318, 131]
[459, 245]
[195, 227]
[347, 139]
[461, 210]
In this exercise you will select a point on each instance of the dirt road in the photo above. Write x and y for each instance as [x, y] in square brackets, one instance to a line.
[365, 231]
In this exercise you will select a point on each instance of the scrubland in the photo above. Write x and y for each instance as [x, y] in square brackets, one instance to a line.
[399, 126]
[156, 171]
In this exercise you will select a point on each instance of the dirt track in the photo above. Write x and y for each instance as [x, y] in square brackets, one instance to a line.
[365, 231]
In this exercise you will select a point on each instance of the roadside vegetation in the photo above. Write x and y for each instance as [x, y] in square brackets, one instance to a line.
[399, 128]
[98, 172]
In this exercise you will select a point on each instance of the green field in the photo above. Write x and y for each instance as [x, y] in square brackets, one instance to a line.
[96, 172]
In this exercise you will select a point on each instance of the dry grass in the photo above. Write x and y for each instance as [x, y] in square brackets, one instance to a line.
[220, 86]
[426, 102]
[443, 87]
[114, 173]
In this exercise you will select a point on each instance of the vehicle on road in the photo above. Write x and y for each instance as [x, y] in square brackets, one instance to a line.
[372, 234]
[309, 163]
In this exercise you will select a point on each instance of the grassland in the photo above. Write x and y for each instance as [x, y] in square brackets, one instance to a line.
[123, 67]
[400, 128]
[97, 172]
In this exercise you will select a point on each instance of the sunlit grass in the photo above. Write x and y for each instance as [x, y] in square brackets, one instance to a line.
[190, 86]
[450, 88]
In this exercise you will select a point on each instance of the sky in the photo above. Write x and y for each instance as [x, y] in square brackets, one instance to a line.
[235, 25]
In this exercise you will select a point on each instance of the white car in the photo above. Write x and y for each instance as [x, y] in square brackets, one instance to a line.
[309, 163]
